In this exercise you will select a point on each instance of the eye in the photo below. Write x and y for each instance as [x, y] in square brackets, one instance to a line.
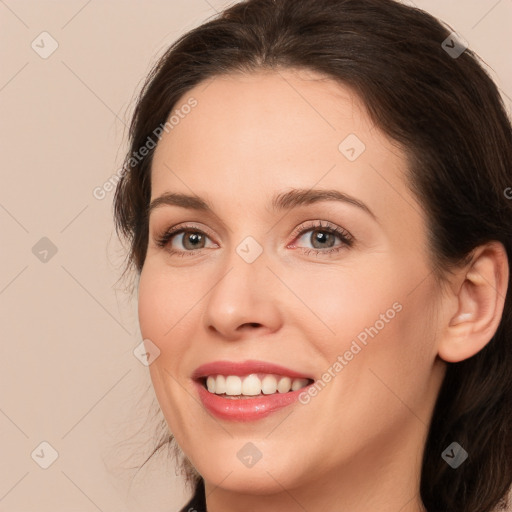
[190, 238]
[186, 240]
[323, 238]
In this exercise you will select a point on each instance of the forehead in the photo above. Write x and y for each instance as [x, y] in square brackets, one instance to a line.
[258, 117]
[252, 134]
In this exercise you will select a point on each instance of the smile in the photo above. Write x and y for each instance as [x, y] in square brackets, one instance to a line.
[252, 385]
[249, 390]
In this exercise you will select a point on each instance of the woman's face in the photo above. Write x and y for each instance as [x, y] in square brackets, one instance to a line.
[337, 290]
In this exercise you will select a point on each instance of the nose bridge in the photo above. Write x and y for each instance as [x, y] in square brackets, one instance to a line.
[243, 269]
[242, 294]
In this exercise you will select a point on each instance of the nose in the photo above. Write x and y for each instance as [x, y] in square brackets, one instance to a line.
[243, 299]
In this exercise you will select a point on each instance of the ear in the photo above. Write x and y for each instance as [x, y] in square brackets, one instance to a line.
[478, 294]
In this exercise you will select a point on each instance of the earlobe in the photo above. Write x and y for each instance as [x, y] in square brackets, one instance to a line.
[480, 301]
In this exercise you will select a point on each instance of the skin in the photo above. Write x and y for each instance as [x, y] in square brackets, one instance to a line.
[358, 444]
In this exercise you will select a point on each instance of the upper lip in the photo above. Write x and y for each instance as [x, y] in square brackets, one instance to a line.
[245, 368]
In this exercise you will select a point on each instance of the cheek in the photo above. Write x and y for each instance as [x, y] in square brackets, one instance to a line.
[165, 305]
[373, 320]
[343, 303]
[395, 363]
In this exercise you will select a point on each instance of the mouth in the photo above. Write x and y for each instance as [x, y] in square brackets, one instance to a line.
[235, 387]
[248, 391]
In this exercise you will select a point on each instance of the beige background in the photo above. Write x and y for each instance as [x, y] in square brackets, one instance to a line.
[68, 375]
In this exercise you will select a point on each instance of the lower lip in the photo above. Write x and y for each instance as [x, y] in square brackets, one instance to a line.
[246, 409]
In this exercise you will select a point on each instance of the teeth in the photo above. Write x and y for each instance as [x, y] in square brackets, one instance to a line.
[220, 384]
[269, 385]
[252, 385]
[210, 384]
[233, 385]
[284, 385]
[297, 384]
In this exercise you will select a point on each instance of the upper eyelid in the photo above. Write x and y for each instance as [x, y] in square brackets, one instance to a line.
[297, 232]
[180, 228]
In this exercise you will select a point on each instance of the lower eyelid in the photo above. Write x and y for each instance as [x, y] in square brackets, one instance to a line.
[344, 237]
[183, 232]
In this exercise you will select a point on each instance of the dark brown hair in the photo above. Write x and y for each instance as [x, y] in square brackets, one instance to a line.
[447, 115]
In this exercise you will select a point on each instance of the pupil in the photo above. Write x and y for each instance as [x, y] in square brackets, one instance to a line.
[322, 236]
[192, 239]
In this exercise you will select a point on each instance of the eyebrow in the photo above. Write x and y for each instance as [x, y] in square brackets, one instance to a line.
[282, 201]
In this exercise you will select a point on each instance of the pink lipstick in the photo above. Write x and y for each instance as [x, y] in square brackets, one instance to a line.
[248, 390]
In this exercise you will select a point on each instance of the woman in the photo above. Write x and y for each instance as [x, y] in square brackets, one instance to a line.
[315, 203]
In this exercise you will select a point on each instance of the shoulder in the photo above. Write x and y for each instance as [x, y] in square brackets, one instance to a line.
[198, 501]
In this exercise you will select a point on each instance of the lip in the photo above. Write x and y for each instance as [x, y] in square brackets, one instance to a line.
[246, 409]
[250, 408]
[245, 368]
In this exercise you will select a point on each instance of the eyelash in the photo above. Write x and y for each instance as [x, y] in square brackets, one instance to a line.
[345, 237]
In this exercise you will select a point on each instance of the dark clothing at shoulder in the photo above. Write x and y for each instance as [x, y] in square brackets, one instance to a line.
[198, 501]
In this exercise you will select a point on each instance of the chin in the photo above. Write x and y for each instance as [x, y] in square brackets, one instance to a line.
[237, 465]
